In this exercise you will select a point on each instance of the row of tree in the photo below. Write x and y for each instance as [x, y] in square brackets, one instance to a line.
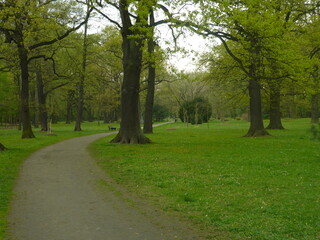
[263, 45]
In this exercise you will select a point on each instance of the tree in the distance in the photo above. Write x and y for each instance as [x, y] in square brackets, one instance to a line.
[197, 111]
[160, 113]
[30, 27]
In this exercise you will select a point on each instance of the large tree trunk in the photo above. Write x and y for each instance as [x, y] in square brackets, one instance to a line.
[315, 108]
[256, 121]
[42, 101]
[275, 113]
[82, 79]
[148, 114]
[25, 111]
[2, 148]
[130, 130]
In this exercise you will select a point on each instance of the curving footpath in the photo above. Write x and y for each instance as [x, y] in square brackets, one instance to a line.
[58, 197]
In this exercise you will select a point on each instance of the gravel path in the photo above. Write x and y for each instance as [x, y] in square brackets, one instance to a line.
[59, 196]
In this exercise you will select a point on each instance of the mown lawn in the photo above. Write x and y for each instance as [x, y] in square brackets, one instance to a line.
[20, 149]
[251, 188]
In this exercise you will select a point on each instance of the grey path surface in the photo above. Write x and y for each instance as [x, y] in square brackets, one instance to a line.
[57, 197]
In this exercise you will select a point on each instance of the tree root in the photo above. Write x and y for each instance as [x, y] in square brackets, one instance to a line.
[140, 139]
[279, 127]
[257, 133]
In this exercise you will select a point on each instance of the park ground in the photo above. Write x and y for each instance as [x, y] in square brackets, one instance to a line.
[229, 186]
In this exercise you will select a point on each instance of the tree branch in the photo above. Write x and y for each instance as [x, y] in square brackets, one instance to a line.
[45, 43]
[45, 58]
[238, 60]
[56, 87]
[314, 52]
[109, 19]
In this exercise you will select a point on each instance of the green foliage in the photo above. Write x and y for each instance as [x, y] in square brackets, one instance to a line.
[259, 188]
[197, 111]
[160, 113]
[8, 95]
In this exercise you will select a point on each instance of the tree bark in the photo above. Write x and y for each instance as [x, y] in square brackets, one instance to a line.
[25, 111]
[42, 101]
[275, 113]
[130, 130]
[315, 108]
[148, 113]
[256, 121]
[80, 105]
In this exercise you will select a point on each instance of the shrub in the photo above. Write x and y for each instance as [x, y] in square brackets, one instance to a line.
[197, 111]
[160, 113]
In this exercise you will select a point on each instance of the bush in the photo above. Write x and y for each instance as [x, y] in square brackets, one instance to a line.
[197, 111]
[160, 113]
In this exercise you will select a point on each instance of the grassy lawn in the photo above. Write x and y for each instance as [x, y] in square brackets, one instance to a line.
[19, 149]
[250, 188]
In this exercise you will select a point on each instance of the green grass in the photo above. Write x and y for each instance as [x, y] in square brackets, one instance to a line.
[20, 149]
[250, 188]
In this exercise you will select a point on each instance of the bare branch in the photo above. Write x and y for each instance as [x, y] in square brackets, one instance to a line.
[109, 19]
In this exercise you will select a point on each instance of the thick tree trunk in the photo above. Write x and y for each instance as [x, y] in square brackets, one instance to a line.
[25, 111]
[130, 130]
[42, 102]
[275, 113]
[256, 121]
[315, 108]
[148, 114]
[80, 107]
[2, 148]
